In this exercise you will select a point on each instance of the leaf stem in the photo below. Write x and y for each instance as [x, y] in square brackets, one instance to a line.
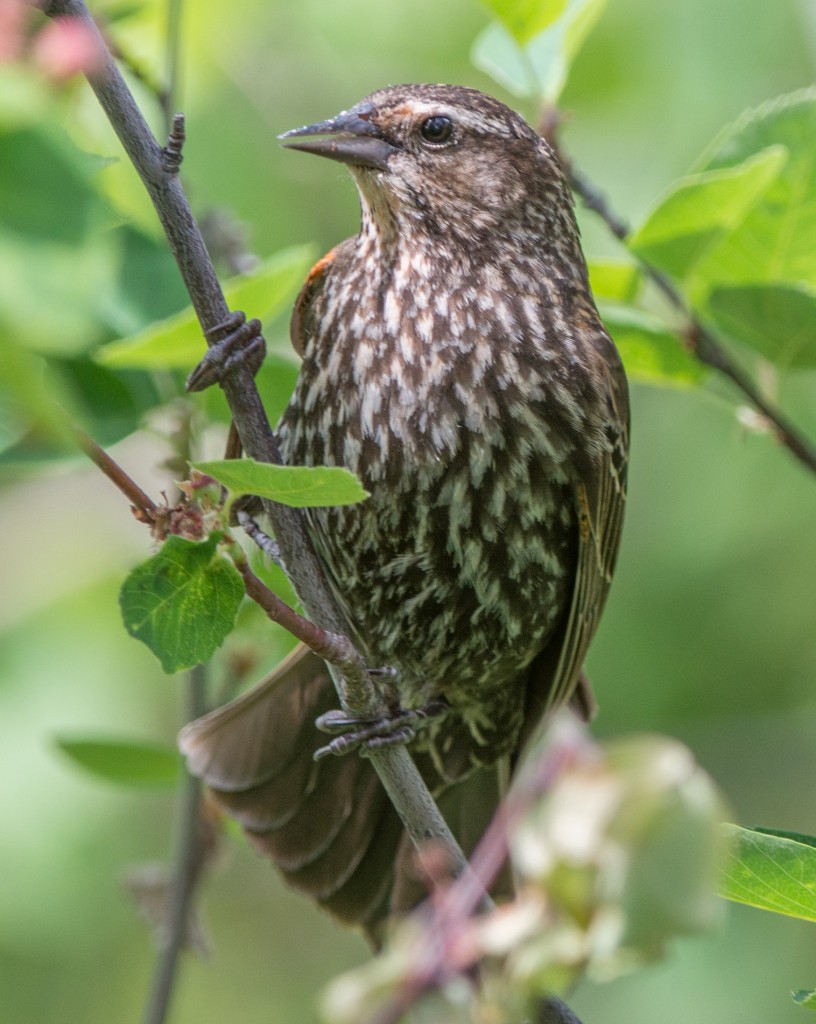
[334, 648]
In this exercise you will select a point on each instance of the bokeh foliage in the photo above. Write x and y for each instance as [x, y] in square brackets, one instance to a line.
[709, 633]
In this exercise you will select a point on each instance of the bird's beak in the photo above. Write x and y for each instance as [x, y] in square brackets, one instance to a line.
[350, 138]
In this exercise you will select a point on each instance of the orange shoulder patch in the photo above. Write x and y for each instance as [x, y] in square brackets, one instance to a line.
[313, 279]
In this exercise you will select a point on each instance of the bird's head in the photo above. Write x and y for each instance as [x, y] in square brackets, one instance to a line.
[441, 158]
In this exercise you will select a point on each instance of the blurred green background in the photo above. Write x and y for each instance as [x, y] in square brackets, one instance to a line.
[710, 633]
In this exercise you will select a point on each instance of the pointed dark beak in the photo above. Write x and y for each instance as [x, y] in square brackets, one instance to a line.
[350, 138]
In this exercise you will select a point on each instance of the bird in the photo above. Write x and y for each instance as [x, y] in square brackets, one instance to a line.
[452, 358]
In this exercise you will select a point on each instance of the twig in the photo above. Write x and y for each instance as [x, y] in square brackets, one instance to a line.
[397, 771]
[186, 872]
[176, 137]
[712, 353]
[145, 507]
[334, 648]
[140, 73]
[555, 1011]
[699, 338]
[398, 774]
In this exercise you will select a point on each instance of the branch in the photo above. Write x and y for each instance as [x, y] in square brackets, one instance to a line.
[555, 1011]
[334, 648]
[397, 771]
[158, 91]
[190, 857]
[144, 506]
[701, 341]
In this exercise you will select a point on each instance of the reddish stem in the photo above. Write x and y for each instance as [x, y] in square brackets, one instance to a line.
[142, 503]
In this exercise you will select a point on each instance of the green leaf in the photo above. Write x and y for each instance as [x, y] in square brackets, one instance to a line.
[498, 54]
[297, 486]
[526, 18]
[699, 210]
[797, 837]
[805, 998]
[49, 292]
[112, 403]
[775, 240]
[540, 67]
[552, 57]
[47, 190]
[776, 320]
[176, 342]
[616, 282]
[651, 352]
[740, 231]
[670, 826]
[147, 285]
[39, 399]
[32, 402]
[126, 762]
[182, 602]
[770, 872]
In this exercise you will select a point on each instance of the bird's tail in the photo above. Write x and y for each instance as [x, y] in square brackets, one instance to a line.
[328, 825]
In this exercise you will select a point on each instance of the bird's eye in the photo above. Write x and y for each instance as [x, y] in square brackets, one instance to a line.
[436, 129]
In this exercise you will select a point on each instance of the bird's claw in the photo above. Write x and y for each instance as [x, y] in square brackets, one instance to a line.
[385, 672]
[235, 342]
[367, 734]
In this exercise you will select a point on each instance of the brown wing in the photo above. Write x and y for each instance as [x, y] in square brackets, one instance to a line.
[600, 496]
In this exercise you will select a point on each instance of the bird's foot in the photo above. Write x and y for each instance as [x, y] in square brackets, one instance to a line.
[249, 525]
[234, 342]
[371, 734]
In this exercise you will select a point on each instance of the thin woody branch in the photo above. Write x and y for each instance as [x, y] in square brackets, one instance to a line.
[400, 778]
[334, 648]
[146, 509]
[159, 92]
[188, 863]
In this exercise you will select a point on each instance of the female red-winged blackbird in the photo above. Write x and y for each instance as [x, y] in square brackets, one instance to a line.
[454, 360]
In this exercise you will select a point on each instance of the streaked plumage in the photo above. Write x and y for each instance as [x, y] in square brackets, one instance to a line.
[452, 358]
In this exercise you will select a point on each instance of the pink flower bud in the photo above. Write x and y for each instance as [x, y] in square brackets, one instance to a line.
[66, 47]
